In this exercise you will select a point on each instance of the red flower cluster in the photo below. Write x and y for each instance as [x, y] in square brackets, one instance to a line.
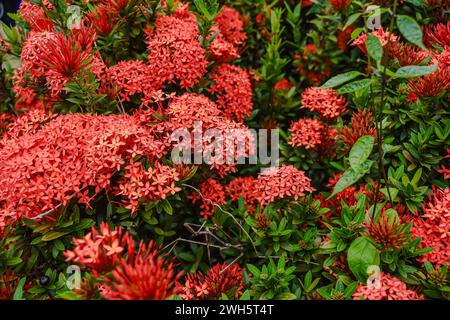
[145, 275]
[44, 163]
[243, 187]
[52, 60]
[231, 26]
[361, 125]
[431, 85]
[233, 89]
[389, 288]
[175, 54]
[133, 77]
[231, 35]
[340, 4]
[112, 256]
[434, 228]
[220, 279]
[407, 55]
[307, 133]
[140, 185]
[212, 194]
[281, 182]
[281, 88]
[189, 108]
[324, 101]
[103, 19]
[382, 35]
[101, 250]
[437, 35]
[388, 232]
[35, 16]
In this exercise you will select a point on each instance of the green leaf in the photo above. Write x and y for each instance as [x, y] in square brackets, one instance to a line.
[285, 296]
[351, 20]
[360, 152]
[374, 48]
[13, 261]
[360, 256]
[417, 3]
[350, 177]
[341, 79]
[18, 294]
[415, 71]
[354, 86]
[167, 207]
[52, 235]
[411, 30]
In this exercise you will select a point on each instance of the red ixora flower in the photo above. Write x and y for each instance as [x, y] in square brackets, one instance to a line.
[231, 26]
[142, 275]
[101, 250]
[407, 55]
[434, 228]
[233, 89]
[46, 161]
[243, 187]
[133, 77]
[361, 125]
[437, 35]
[35, 16]
[196, 112]
[343, 37]
[388, 288]
[220, 279]
[103, 19]
[307, 133]
[56, 58]
[175, 53]
[281, 182]
[126, 273]
[382, 35]
[387, 232]
[340, 4]
[431, 85]
[324, 101]
[211, 195]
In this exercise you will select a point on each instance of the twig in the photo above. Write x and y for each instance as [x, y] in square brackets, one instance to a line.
[226, 212]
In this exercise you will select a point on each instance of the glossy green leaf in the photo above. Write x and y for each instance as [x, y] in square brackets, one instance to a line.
[354, 86]
[415, 71]
[411, 30]
[351, 176]
[361, 151]
[361, 255]
[374, 48]
[341, 79]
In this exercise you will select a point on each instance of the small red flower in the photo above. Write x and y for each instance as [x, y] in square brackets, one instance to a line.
[220, 279]
[281, 182]
[324, 101]
[212, 194]
[340, 4]
[388, 288]
[104, 20]
[361, 125]
[175, 54]
[233, 89]
[144, 275]
[307, 133]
